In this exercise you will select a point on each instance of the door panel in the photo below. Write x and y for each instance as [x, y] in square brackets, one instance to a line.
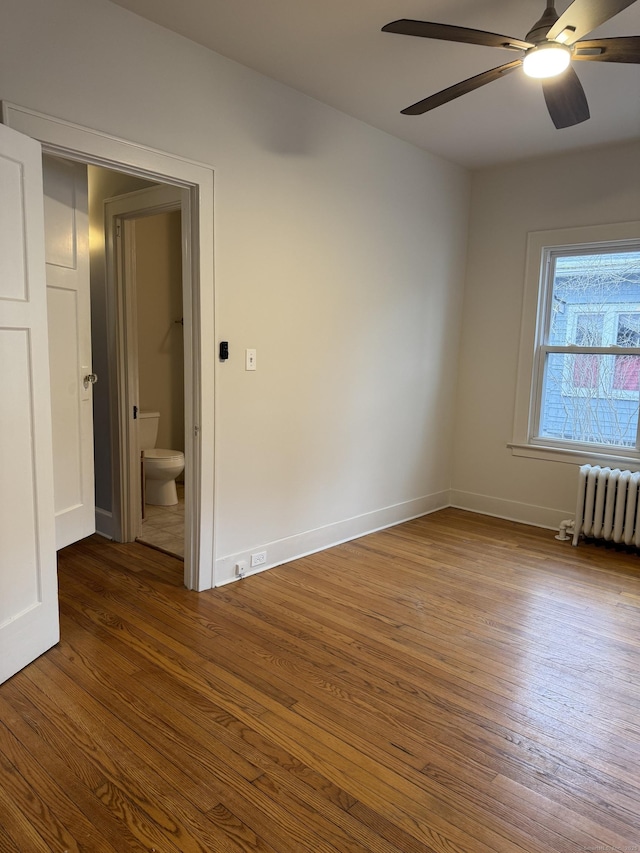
[67, 258]
[28, 581]
[19, 470]
[12, 236]
[62, 312]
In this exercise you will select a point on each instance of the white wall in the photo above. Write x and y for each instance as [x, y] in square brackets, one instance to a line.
[339, 257]
[587, 188]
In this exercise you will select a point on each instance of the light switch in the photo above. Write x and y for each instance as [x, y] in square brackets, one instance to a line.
[250, 359]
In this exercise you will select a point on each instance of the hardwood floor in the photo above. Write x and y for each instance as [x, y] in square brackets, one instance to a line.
[455, 684]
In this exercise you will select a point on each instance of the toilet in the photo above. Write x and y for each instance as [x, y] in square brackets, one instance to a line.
[161, 467]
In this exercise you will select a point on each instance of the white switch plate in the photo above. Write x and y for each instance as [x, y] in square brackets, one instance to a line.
[250, 359]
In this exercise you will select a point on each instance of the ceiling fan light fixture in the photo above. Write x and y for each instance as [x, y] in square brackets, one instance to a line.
[546, 60]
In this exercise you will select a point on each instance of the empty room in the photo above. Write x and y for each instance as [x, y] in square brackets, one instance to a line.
[320, 507]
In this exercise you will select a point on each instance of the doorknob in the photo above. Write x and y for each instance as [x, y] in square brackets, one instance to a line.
[90, 379]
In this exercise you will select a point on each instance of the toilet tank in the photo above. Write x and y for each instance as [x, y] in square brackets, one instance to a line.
[148, 429]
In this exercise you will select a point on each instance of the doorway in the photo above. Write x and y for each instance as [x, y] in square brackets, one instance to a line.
[87, 146]
[147, 278]
[125, 248]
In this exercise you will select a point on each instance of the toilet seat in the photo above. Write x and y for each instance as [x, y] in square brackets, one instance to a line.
[160, 453]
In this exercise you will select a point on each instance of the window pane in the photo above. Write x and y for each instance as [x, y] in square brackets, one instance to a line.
[591, 398]
[585, 371]
[586, 289]
[626, 373]
[588, 330]
[628, 330]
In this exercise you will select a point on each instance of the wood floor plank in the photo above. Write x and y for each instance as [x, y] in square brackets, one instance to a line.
[161, 725]
[50, 811]
[128, 784]
[508, 694]
[415, 702]
[22, 719]
[231, 827]
[7, 844]
[436, 712]
[455, 684]
[17, 825]
[315, 791]
[161, 798]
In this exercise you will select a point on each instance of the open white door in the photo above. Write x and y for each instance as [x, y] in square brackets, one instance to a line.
[29, 622]
[66, 227]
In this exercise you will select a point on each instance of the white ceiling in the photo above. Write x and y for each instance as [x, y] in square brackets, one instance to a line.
[333, 50]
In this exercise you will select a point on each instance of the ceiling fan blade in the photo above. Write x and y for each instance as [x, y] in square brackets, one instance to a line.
[428, 30]
[566, 101]
[459, 89]
[583, 16]
[623, 49]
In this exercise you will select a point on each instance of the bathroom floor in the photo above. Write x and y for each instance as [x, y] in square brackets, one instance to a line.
[163, 526]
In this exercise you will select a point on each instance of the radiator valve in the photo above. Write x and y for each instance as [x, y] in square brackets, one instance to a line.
[566, 527]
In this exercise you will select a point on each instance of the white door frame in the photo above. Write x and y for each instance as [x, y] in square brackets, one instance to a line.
[121, 213]
[74, 142]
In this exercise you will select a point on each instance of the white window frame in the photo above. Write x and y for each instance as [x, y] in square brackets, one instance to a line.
[536, 298]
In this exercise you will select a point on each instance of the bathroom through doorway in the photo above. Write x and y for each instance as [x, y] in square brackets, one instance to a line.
[144, 232]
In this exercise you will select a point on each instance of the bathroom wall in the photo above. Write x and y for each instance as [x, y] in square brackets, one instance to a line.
[160, 334]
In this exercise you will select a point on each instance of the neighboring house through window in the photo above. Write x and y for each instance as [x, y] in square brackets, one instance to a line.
[579, 373]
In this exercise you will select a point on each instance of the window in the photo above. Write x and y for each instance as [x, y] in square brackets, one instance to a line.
[584, 368]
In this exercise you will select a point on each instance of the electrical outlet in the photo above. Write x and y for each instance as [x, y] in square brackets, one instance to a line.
[258, 559]
[241, 568]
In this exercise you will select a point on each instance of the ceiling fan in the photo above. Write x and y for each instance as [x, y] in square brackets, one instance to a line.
[549, 48]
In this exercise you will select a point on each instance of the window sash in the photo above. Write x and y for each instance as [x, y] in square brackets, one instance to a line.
[574, 348]
[538, 396]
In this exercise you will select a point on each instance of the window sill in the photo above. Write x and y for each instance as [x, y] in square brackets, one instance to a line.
[574, 457]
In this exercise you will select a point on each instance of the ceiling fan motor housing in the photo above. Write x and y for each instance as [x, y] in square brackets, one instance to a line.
[538, 32]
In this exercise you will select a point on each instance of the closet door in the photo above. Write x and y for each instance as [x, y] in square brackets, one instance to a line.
[66, 229]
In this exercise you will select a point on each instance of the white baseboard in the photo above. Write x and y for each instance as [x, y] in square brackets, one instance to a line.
[293, 547]
[104, 523]
[537, 516]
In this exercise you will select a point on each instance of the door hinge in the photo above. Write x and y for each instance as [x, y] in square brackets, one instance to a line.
[196, 430]
[118, 229]
[135, 413]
